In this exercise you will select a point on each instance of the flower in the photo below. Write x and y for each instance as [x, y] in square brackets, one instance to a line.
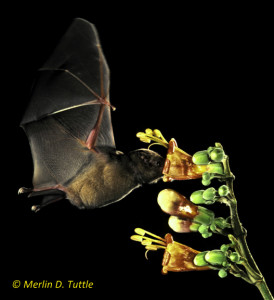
[175, 204]
[179, 164]
[177, 257]
[182, 225]
[185, 216]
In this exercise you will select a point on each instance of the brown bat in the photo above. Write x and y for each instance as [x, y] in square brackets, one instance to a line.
[68, 124]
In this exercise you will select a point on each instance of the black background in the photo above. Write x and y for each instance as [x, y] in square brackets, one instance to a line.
[200, 76]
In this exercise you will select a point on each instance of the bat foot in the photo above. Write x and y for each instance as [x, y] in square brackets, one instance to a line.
[48, 199]
[35, 208]
[24, 190]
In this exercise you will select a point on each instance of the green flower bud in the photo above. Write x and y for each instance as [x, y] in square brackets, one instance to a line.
[235, 257]
[199, 259]
[207, 235]
[204, 216]
[209, 194]
[221, 223]
[206, 176]
[223, 190]
[212, 227]
[232, 239]
[216, 168]
[208, 202]
[217, 154]
[209, 149]
[203, 229]
[194, 227]
[201, 158]
[206, 182]
[225, 264]
[222, 273]
[218, 145]
[225, 247]
[215, 257]
[197, 197]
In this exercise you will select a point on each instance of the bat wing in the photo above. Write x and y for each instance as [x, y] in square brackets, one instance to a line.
[69, 112]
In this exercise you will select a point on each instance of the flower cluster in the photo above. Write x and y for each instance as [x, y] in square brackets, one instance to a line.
[187, 215]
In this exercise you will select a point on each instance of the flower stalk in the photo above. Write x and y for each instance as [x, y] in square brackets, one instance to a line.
[252, 275]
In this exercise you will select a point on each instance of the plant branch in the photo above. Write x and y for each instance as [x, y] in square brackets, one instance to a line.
[254, 274]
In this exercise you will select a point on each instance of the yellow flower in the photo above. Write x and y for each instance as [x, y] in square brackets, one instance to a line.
[178, 164]
[175, 204]
[177, 257]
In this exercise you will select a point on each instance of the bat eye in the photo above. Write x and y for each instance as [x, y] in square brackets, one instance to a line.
[143, 157]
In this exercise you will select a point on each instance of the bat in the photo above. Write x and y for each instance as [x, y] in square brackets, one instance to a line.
[69, 128]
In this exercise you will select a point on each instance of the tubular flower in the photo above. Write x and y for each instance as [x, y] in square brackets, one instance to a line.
[179, 165]
[182, 225]
[177, 257]
[185, 216]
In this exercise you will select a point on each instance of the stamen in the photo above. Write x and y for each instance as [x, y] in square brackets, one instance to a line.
[141, 231]
[154, 247]
[158, 140]
[147, 136]
[158, 134]
[136, 238]
[146, 242]
[153, 240]
[149, 131]
[145, 140]
[141, 135]
[151, 247]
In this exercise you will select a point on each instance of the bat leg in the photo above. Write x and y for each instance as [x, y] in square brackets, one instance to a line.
[37, 191]
[46, 201]
[51, 194]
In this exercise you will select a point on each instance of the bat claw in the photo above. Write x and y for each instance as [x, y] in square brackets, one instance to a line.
[35, 208]
[24, 190]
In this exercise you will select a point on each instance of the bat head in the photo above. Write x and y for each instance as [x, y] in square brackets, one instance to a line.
[148, 165]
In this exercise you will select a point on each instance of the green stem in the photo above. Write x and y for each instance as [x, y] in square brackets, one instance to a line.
[237, 272]
[253, 272]
[264, 290]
